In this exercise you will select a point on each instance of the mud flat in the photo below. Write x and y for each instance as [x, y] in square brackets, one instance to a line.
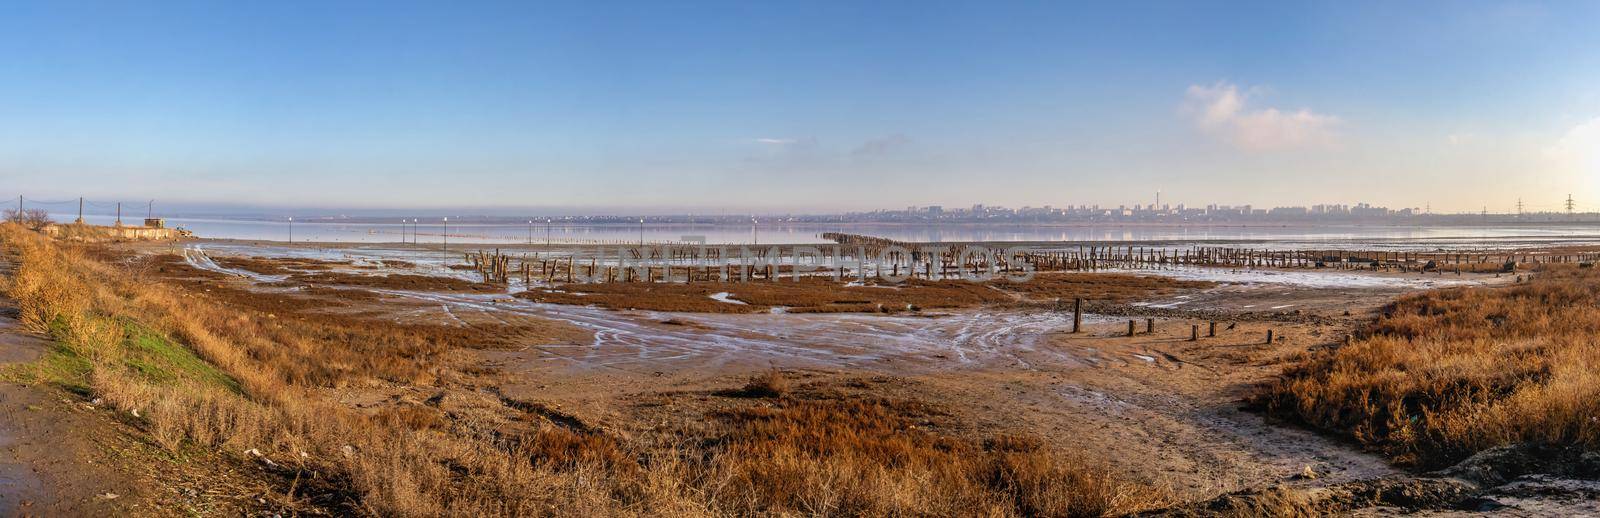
[1166, 408]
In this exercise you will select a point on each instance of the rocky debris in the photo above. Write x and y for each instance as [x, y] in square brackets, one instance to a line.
[1501, 465]
[1518, 471]
[1407, 493]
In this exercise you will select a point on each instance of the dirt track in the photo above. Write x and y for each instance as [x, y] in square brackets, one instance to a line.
[47, 447]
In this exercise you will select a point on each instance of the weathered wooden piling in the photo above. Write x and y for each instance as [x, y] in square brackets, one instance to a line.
[1077, 314]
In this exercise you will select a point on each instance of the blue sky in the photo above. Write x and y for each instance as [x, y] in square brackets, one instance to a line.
[809, 106]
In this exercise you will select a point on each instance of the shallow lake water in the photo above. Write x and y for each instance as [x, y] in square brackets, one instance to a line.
[1290, 236]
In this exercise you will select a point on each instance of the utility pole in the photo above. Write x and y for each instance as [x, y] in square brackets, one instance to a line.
[119, 213]
[1519, 208]
[291, 229]
[641, 231]
[80, 210]
[547, 232]
[447, 238]
[1569, 206]
[530, 231]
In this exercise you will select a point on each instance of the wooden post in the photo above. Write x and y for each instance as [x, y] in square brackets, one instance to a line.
[1194, 333]
[1149, 325]
[1130, 328]
[1212, 331]
[1077, 314]
[1269, 336]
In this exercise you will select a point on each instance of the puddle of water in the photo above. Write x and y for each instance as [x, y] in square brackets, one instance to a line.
[636, 338]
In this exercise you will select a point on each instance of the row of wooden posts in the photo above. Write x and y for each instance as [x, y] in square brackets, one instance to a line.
[693, 263]
[1149, 325]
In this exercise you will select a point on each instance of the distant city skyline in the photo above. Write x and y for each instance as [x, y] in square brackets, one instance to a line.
[815, 106]
[1170, 212]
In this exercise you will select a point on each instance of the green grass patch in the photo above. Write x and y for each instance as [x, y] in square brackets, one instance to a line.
[152, 355]
[163, 360]
[60, 366]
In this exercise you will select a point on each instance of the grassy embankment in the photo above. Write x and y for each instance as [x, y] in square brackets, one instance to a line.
[224, 377]
[1448, 373]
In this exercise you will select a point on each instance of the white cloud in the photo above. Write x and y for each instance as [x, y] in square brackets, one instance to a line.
[1579, 147]
[1223, 112]
[776, 141]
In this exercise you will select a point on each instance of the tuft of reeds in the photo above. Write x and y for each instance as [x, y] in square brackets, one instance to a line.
[770, 384]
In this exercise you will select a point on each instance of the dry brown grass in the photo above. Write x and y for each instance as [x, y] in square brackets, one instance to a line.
[870, 457]
[1114, 287]
[798, 456]
[822, 295]
[1448, 373]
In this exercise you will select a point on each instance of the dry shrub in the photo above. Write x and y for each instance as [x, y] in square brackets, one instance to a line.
[1448, 373]
[770, 384]
[33, 219]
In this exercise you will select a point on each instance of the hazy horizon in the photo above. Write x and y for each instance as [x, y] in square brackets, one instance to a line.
[815, 108]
